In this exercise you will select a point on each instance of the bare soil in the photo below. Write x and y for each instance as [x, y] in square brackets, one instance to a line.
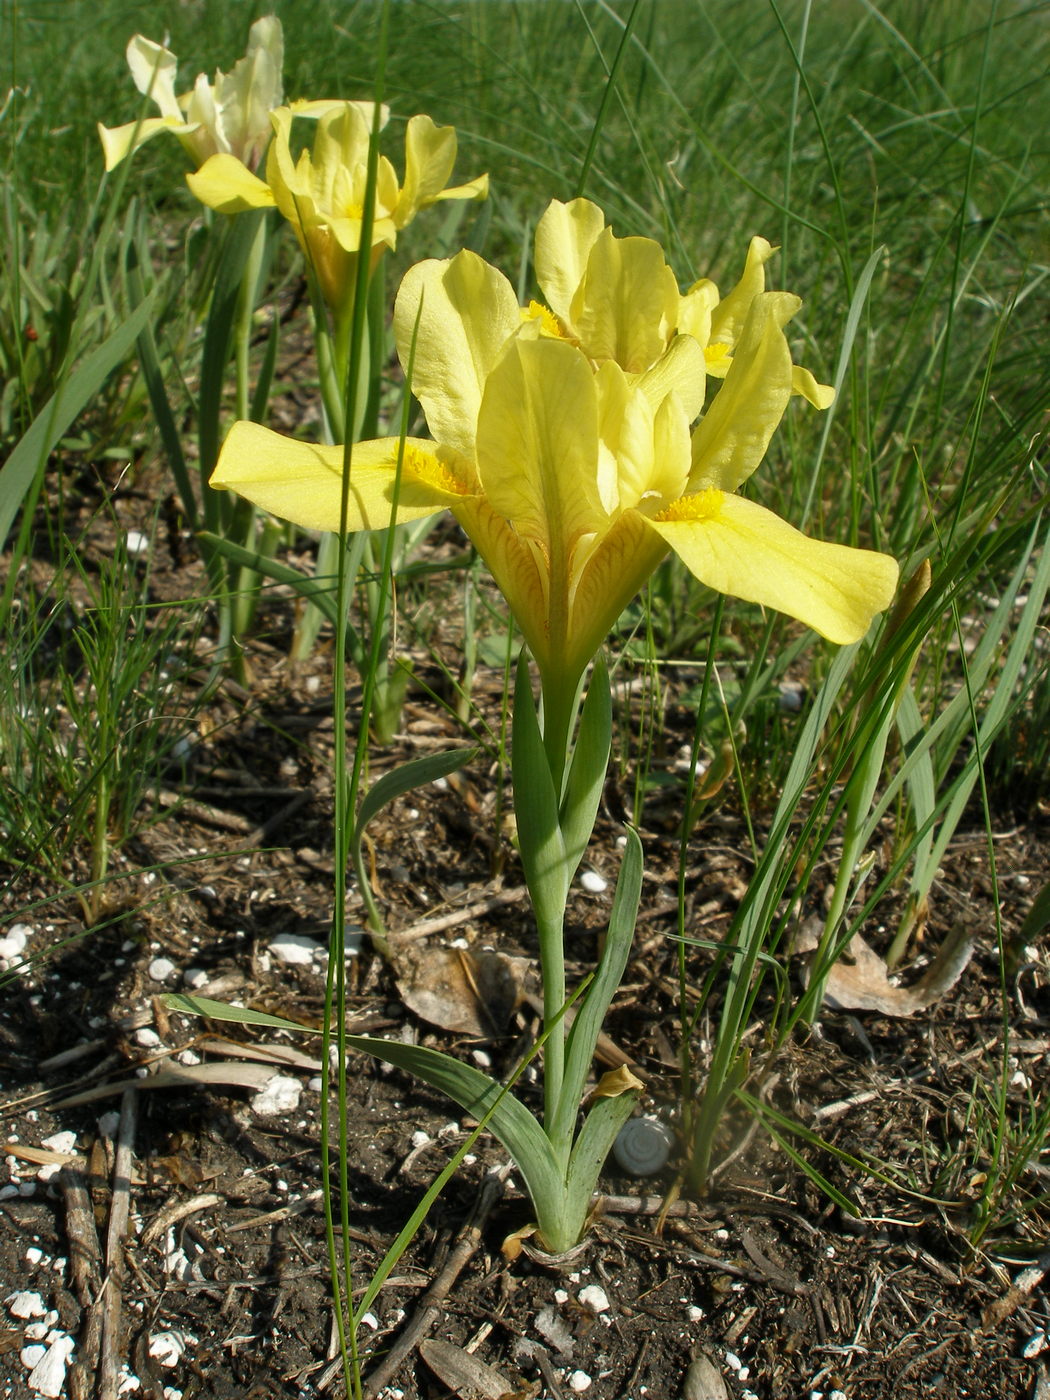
[221, 1266]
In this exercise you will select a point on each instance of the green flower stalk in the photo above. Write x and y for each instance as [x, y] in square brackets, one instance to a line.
[574, 443]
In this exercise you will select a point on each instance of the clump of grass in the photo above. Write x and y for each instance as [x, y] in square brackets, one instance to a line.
[94, 708]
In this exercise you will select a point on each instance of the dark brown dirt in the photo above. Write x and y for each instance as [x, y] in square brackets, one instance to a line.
[787, 1293]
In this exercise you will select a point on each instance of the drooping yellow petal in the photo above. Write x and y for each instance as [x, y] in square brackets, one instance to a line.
[740, 548]
[734, 433]
[537, 445]
[565, 235]
[616, 568]
[469, 311]
[806, 385]
[626, 305]
[695, 310]
[301, 482]
[518, 568]
[224, 184]
[728, 317]
[119, 141]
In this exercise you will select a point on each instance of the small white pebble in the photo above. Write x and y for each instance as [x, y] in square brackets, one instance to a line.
[1034, 1345]
[137, 542]
[65, 1141]
[47, 1171]
[33, 1354]
[560, 1296]
[315, 1085]
[370, 1320]
[595, 1298]
[293, 949]
[579, 1381]
[837, 1395]
[13, 943]
[279, 1095]
[733, 1361]
[168, 1347]
[593, 883]
[34, 1255]
[127, 1382]
[189, 1057]
[420, 1138]
[160, 969]
[48, 1376]
[693, 1313]
[194, 978]
[25, 1304]
[148, 1038]
[481, 1058]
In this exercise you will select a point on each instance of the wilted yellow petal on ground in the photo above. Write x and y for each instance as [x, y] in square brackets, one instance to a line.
[738, 547]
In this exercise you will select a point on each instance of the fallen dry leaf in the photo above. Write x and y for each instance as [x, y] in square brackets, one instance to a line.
[459, 990]
[859, 981]
[463, 1373]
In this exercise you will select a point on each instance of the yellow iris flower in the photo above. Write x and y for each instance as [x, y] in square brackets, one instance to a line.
[231, 116]
[578, 259]
[573, 470]
[321, 193]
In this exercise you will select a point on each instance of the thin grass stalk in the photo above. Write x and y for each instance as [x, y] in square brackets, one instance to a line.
[346, 794]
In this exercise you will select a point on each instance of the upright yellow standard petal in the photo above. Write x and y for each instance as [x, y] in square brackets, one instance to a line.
[467, 312]
[153, 70]
[430, 155]
[537, 445]
[740, 548]
[626, 305]
[735, 431]
[729, 315]
[565, 235]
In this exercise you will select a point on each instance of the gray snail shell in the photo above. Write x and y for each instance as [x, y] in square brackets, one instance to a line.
[643, 1146]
